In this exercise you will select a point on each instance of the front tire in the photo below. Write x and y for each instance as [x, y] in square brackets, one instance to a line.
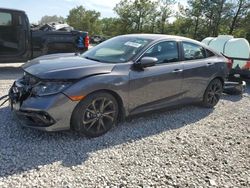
[213, 93]
[95, 115]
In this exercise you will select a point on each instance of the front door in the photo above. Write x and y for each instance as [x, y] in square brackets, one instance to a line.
[160, 85]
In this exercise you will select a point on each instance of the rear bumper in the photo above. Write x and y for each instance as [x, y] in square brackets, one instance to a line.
[50, 113]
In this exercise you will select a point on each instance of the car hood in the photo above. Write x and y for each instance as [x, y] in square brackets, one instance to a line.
[65, 66]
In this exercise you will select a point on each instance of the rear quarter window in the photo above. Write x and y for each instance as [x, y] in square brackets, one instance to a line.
[5, 19]
[210, 53]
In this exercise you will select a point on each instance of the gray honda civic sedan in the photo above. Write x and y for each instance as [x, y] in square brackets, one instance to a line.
[123, 76]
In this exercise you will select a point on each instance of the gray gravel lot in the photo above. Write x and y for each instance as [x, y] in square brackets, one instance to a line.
[187, 147]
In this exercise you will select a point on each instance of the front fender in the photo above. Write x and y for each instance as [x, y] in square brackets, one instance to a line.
[116, 83]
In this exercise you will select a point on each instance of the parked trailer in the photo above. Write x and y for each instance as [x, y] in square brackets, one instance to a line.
[237, 51]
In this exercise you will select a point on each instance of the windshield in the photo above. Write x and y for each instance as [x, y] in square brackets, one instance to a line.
[117, 50]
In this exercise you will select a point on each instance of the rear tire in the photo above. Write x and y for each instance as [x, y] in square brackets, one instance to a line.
[213, 93]
[95, 115]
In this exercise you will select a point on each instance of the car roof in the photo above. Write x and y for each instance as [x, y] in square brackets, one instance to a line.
[11, 10]
[157, 37]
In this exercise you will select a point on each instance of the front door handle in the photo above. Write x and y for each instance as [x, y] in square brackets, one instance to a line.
[177, 70]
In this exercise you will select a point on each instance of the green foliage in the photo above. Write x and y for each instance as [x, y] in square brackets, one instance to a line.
[85, 20]
[243, 29]
[138, 16]
[214, 17]
[199, 19]
[110, 26]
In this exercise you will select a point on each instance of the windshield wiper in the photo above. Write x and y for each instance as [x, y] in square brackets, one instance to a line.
[93, 59]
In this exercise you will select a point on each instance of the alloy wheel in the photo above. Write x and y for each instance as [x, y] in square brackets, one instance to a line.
[214, 92]
[99, 115]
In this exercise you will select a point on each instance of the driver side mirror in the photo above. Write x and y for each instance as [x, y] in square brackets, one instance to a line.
[147, 62]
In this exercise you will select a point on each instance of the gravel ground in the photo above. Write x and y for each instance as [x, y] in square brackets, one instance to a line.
[187, 147]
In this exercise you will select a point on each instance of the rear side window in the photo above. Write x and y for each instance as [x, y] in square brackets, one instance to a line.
[193, 51]
[209, 53]
[5, 19]
[165, 52]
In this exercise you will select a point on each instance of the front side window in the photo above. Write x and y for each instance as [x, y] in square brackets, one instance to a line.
[193, 51]
[165, 52]
[5, 19]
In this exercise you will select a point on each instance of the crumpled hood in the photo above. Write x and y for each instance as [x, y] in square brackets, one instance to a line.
[65, 66]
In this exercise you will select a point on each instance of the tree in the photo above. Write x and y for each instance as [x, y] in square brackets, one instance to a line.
[200, 19]
[246, 25]
[165, 12]
[135, 15]
[181, 26]
[240, 8]
[47, 19]
[110, 26]
[85, 20]
[194, 12]
[243, 27]
[208, 17]
[122, 9]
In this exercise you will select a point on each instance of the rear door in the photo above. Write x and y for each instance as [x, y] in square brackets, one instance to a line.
[160, 85]
[198, 69]
[13, 36]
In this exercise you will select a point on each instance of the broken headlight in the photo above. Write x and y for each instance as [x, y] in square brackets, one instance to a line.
[49, 88]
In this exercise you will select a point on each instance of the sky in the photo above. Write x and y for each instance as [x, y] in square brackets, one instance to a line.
[36, 9]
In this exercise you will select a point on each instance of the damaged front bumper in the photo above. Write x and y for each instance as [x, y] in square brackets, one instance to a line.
[47, 113]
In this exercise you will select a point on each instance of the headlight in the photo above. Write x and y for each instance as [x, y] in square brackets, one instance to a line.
[49, 88]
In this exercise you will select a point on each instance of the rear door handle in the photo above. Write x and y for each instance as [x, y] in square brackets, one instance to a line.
[209, 64]
[177, 70]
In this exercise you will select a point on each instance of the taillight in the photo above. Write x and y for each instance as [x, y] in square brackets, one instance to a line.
[229, 64]
[86, 42]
